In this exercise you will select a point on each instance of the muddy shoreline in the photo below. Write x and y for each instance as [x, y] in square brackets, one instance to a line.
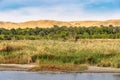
[26, 67]
[16, 67]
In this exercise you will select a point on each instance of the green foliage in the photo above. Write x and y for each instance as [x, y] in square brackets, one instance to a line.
[63, 33]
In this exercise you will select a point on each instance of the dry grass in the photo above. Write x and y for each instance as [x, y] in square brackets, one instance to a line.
[101, 52]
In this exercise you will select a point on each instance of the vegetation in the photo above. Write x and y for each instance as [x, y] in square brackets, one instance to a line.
[53, 67]
[61, 33]
[61, 48]
[99, 52]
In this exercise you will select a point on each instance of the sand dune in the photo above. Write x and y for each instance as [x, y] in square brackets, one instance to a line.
[51, 23]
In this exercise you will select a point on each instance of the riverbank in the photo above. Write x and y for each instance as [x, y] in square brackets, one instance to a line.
[16, 67]
[95, 69]
[27, 67]
[56, 55]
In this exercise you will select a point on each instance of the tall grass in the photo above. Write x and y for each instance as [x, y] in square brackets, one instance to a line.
[99, 52]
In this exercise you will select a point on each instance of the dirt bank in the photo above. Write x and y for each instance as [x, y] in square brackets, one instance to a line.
[16, 67]
[26, 67]
[94, 69]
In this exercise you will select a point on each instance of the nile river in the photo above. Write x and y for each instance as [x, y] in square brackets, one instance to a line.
[22, 75]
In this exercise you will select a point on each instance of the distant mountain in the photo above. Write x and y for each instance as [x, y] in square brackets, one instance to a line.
[51, 23]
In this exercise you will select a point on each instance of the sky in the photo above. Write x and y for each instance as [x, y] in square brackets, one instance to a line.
[60, 10]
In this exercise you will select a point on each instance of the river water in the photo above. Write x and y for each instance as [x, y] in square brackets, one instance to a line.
[22, 75]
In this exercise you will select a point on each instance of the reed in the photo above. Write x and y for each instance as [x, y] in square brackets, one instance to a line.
[99, 52]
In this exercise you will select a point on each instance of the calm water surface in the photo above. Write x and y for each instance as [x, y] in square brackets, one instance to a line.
[21, 75]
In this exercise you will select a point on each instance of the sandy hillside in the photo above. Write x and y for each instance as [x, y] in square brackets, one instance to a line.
[50, 23]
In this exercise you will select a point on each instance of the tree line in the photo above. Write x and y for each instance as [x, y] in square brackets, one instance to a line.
[61, 33]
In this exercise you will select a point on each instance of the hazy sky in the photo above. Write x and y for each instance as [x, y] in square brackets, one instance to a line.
[65, 10]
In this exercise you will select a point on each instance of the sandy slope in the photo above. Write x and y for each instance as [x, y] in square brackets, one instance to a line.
[51, 23]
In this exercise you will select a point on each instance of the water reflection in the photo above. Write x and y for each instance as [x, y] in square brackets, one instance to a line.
[20, 75]
[116, 76]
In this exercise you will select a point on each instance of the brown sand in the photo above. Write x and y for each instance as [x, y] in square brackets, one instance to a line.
[16, 67]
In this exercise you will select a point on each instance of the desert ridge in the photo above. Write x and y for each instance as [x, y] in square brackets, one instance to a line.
[51, 23]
